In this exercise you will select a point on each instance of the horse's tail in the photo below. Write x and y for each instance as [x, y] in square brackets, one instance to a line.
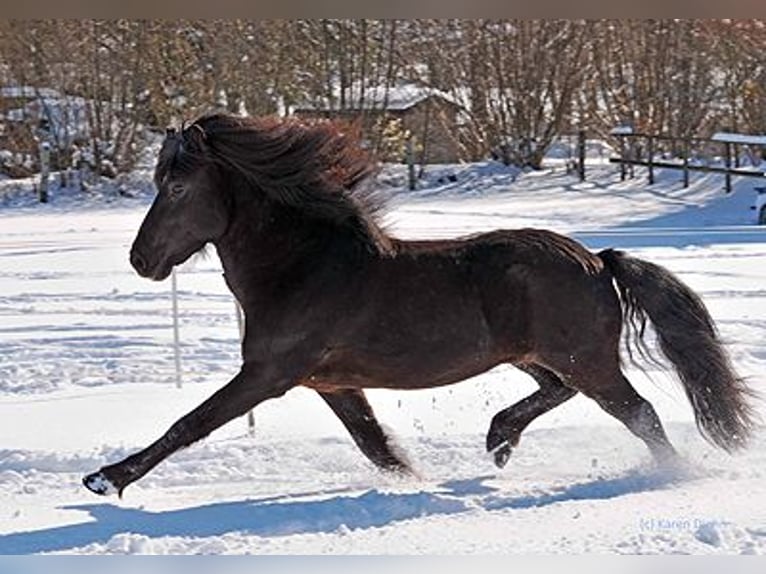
[688, 338]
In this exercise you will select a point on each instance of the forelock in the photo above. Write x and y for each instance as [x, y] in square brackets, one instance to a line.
[174, 156]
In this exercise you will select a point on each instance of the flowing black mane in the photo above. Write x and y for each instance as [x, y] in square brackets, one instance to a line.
[313, 167]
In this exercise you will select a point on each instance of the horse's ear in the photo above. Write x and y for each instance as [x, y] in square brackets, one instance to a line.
[195, 137]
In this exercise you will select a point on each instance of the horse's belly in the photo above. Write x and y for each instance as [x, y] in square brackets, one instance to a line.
[370, 377]
[404, 364]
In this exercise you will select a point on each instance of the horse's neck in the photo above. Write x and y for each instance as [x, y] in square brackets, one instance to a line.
[259, 246]
[240, 249]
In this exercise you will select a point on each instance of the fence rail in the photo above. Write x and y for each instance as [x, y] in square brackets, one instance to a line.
[631, 154]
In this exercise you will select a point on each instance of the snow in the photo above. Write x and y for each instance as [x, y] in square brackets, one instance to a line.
[87, 376]
[621, 131]
[745, 139]
[397, 98]
[28, 92]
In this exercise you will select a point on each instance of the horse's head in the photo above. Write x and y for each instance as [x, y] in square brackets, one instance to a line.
[190, 208]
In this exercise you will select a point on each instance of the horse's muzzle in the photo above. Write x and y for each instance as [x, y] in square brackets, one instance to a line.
[139, 263]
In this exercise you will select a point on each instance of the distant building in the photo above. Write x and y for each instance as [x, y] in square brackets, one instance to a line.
[429, 116]
[29, 115]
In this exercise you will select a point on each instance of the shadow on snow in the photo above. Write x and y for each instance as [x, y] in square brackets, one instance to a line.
[270, 517]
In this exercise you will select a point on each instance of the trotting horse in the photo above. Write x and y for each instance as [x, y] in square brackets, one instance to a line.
[333, 303]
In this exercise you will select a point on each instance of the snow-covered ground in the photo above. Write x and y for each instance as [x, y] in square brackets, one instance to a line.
[87, 376]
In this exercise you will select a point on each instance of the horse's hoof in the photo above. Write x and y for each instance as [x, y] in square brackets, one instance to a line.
[502, 454]
[99, 484]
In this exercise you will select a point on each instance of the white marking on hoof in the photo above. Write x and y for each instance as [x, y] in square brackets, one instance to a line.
[99, 484]
[501, 453]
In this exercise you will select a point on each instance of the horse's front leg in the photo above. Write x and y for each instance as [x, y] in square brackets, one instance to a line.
[251, 386]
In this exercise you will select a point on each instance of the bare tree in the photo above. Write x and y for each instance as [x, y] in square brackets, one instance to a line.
[516, 79]
[521, 83]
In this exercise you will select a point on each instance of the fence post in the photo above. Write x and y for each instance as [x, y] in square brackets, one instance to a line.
[176, 337]
[686, 163]
[650, 158]
[45, 169]
[727, 159]
[241, 326]
[623, 155]
[581, 154]
[410, 163]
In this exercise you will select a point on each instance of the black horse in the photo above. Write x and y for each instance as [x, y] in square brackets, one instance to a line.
[335, 304]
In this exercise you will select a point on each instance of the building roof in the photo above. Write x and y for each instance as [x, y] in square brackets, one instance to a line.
[394, 98]
[28, 92]
[747, 139]
[621, 131]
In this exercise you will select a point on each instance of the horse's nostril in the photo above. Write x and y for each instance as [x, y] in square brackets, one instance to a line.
[138, 262]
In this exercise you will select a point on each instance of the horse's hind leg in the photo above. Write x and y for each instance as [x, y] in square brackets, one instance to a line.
[352, 408]
[507, 425]
[620, 399]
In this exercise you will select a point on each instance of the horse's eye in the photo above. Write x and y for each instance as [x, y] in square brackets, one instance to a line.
[176, 189]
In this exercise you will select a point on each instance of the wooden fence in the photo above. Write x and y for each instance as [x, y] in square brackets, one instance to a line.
[640, 149]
